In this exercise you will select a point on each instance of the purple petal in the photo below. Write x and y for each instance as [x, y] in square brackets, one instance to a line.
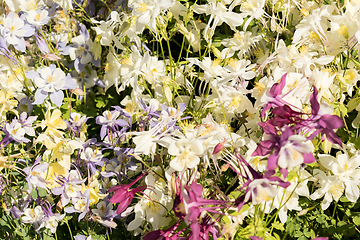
[272, 162]
[309, 158]
[123, 205]
[122, 122]
[284, 172]
[314, 103]
[15, 212]
[255, 238]
[21, 46]
[154, 235]
[264, 148]
[331, 121]
[103, 131]
[79, 237]
[195, 230]
[277, 88]
[96, 62]
[43, 47]
[332, 137]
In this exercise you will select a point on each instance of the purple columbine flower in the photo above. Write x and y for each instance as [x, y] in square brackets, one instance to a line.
[110, 124]
[5, 51]
[81, 50]
[80, 205]
[26, 123]
[25, 105]
[51, 80]
[274, 98]
[68, 187]
[323, 123]
[14, 30]
[92, 158]
[16, 130]
[50, 221]
[36, 174]
[75, 122]
[121, 164]
[286, 149]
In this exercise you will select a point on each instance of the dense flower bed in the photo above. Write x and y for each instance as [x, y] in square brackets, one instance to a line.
[174, 119]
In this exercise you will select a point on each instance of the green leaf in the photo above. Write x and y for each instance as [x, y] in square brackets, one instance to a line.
[42, 192]
[34, 194]
[278, 226]
[356, 220]
[307, 233]
[353, 103]
[343, 109]
[320, 220]
[234, 194]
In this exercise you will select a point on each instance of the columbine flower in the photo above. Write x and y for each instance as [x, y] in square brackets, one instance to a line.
[330, 187]
[80, 204]
[219, 14]
[154, 205]
[92, 158]
[33, 216]
[146, 12]
[81, 50]
[104, 210]
[70, 187]
[187, 151]
[75, 122]
[346, 170]
[110, 122]
[50, 221]
[13, 132]
[38, 18]
[53, 122]
[51, 80]
[14, 30]
[258, 188]
[124, 195]
[36, 174]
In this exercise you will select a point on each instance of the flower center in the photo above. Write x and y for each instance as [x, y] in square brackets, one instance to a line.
[38, 17]
[142, 7]
[50, 79]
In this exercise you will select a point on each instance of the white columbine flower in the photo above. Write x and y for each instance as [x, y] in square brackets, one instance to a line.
[187, 151]
[330, 187]
[146, 12]
[33, 216]
[347, 170]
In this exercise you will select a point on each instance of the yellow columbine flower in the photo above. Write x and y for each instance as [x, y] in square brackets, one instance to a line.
[53, 122]
[54, 170]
